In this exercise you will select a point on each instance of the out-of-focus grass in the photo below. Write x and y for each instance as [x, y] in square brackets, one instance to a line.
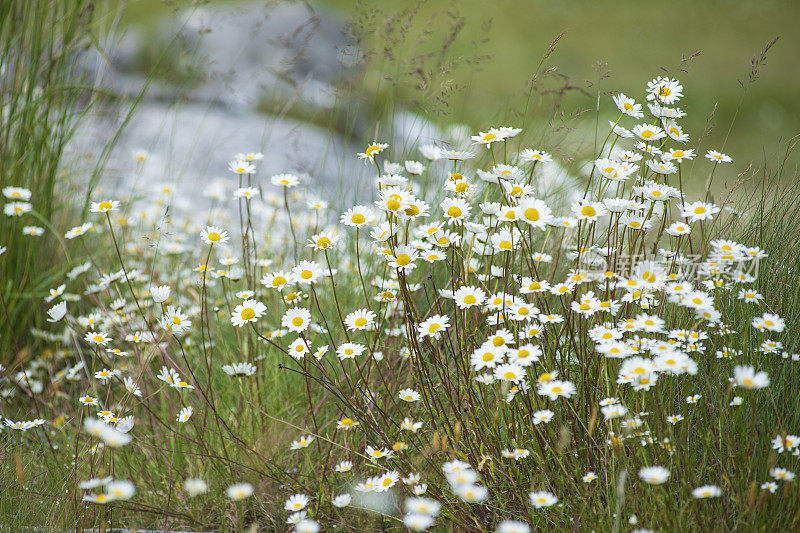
[499, 46]
[634, 40]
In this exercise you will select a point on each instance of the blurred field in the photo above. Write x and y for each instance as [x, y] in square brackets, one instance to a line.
[492, 50]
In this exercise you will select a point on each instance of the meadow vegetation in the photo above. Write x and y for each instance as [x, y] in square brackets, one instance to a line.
[467, 349]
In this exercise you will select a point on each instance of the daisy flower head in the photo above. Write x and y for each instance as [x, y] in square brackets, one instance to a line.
[628, 106]
[160, 293]
[302, 442]
[372, 150]
[195, 486]
[555, 389]
[346, 423]
[245, 192]
[277, 280]
[77, 231]
[457, 155]
[57, 312]
[349, 350]
[404, 258]
[360, 319]
[97, 337]
[297, 502]
[17, 193]
[717, 157]
[175, 321]
[409, 395]
[299, 348]
[387, 481]
[699, 211]
[418, 522]
[782, 474]
[511, 372]
[664, 90]
[247, 311]
[654, 475]
[33, 231]
[541, 499]
[534, 156]
[648, 132]
[104, 206]
[466, 297]
[747, 377]
[488, 137]
[707, 491]
[323, 241]
[342, 500]
[241, 166]
[455, 209]
[239, 369]
[543, 416]
[239, 491]
[285, 180]
[535, 212]
[357, 216]
[185, 414]
[249, 156]
[307, 272]
[433, 327]
[471, 493]
[344, 467]
[296, 319]
[587, 210]
[214, 235]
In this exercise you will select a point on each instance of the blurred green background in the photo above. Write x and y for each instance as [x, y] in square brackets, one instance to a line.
[492, 49]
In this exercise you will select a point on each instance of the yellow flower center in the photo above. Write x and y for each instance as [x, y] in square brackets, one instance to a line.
[214, 236]
[296, 321]
[323, 242]
[488, 356]
[588, 211]
[360, 321]
[358, 218]
[532, 214]
[105, 205]
[306, 274]
[469, 299]
[403, 259]
[509, 375]
[454, 211]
